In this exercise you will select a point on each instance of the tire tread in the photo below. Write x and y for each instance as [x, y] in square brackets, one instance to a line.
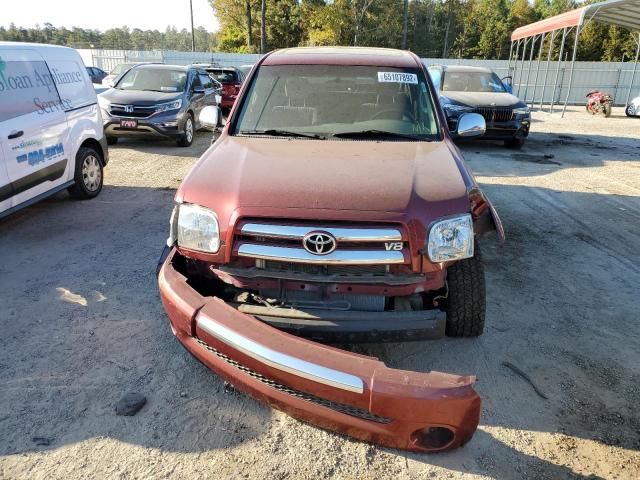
[466, 303]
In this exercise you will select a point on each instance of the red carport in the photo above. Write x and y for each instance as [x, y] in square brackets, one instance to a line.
[624, 13]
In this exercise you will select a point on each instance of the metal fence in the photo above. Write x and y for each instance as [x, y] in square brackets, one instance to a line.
[611, 77]
[108, 59]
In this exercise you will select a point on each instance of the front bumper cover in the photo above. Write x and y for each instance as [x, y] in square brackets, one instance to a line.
[342, 391]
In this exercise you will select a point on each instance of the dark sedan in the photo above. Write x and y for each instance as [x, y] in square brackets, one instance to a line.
[465, 89]
[157, 101]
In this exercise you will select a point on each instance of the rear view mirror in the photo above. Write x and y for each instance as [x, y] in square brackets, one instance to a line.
[210, 117]
[471, 125]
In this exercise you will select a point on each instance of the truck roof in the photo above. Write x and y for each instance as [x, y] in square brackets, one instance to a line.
[386, 57]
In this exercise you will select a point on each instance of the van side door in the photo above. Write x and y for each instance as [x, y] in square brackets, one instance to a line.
[33, 126]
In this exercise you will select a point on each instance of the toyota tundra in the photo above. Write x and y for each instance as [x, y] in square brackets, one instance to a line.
[333, 208]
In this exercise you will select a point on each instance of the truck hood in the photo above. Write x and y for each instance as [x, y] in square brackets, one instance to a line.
[326, 174]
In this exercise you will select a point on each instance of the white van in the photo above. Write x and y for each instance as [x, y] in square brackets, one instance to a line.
[51, 134]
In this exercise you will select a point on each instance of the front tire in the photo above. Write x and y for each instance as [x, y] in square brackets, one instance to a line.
[88, 175]
[514, 143]
[607, 110]
[186, 139]
[466, 301]
[630, 111]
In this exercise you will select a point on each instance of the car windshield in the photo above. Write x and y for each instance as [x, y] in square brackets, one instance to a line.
[154, 79]
[121, 68]
[224, 76]
[472, 82]
[328, 100]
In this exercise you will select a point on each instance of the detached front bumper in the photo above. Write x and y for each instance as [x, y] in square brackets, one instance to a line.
[346, 392]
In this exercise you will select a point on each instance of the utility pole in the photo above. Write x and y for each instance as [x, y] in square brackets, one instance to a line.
[263, 27]
[405, 16]
[249, 25]
[193, 34]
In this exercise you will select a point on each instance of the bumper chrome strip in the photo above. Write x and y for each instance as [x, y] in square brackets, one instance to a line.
[291, 232]
[282, 361]
[337, 257]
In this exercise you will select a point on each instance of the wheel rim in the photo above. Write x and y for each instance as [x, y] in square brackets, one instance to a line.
[631, 110]
[91, 173]
[188, 130]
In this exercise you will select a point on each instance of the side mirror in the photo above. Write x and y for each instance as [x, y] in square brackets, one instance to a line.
[210, 117]
[471, 125]
[198, 90]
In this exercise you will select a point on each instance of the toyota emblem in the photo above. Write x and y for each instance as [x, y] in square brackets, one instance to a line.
[319, 243]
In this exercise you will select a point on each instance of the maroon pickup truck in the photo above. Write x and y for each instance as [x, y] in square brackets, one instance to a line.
[334, 207]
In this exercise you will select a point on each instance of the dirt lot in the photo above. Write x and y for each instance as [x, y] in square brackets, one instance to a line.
[82, 324]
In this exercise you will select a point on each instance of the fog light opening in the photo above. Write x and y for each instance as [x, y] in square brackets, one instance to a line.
[433, 438]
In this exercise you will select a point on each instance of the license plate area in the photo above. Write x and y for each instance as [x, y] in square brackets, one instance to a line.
[128, 123]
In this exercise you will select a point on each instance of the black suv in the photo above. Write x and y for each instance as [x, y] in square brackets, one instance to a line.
[465, 89]
[157, 101]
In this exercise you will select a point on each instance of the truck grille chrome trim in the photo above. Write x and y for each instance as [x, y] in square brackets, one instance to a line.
[297, 232]
[337, 257]
[339, 407]
[281, 361]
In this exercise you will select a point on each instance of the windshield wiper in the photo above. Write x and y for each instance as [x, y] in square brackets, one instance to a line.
[282, 133]
[377, 133]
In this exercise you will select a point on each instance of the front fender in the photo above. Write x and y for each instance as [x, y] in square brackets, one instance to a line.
[485, 217]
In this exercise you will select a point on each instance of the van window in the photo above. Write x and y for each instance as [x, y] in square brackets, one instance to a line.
[73, 84]
[26, 87]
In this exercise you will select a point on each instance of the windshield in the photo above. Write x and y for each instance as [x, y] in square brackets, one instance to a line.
[325, 100]
[224, 76]
[121, 68]
[154, 79]
[472, 82]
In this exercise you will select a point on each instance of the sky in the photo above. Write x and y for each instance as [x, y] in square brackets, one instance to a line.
[142, 14]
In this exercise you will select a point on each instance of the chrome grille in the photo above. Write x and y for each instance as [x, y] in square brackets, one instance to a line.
[495, 114]
[339, 407]
[116, 110]
[326, 269]
[363, 245]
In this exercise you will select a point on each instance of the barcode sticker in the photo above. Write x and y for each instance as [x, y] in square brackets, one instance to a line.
[397, 77]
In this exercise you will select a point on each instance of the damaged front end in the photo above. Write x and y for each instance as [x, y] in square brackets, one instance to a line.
[233, 318]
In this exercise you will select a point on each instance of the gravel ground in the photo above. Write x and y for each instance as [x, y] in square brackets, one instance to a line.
[82, 324]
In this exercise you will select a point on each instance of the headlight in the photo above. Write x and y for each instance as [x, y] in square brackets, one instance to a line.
[451, 239]
[164, 107]
[104, 103]
[195, 228]
[522, 111]
[456, 109]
